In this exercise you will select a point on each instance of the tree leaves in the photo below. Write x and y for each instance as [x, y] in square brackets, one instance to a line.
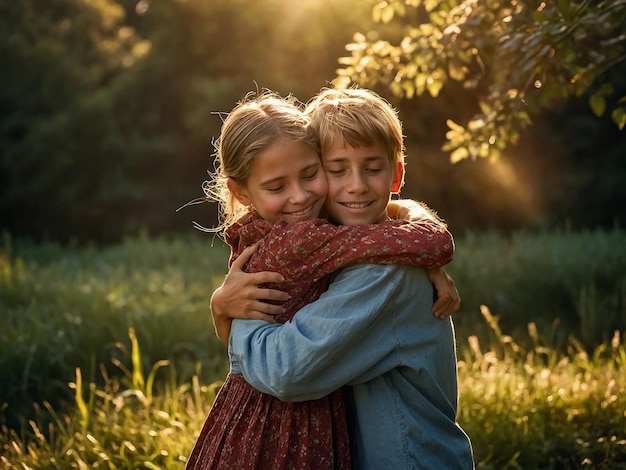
[521, 58]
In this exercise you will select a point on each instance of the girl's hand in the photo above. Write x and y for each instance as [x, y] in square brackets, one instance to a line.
[410, 210]
[448, 299]
[240, 296]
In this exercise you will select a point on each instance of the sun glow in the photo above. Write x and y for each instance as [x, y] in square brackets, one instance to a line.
[515, 184]
[297, 10]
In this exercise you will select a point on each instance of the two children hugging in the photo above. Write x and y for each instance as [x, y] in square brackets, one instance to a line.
[290, 216]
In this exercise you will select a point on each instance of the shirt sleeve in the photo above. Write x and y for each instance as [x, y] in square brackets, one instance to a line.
[318, 248]
[344, 337]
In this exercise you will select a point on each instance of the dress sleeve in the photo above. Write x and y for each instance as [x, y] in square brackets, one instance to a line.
[317, 247]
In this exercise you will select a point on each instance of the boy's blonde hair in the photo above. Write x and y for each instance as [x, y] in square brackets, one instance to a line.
[253, 125]
[358, 118]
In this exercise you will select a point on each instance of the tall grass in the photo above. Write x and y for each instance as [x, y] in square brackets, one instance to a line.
[108, 357]
[540, 408]
[523, 408]
[127, 422]
[64, 308]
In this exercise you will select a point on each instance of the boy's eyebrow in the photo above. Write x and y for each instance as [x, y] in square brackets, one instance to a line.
[343, 159]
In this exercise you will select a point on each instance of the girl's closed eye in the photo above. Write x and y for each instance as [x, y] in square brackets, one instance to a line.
[310, 175]
[275, 189]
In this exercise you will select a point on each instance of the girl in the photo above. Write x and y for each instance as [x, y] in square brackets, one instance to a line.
[272, 187]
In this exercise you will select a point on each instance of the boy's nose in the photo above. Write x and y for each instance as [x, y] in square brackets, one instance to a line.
[357, 183]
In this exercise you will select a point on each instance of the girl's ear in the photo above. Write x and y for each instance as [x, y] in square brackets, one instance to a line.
[398, 178]
[239, 192]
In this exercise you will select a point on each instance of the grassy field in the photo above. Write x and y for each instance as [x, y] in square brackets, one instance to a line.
[109, 360]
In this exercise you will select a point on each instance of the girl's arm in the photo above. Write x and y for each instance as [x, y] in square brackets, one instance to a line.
[317, 248]
[448, 300]
[413, 211]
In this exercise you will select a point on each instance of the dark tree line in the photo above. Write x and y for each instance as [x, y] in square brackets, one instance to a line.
[109, 112]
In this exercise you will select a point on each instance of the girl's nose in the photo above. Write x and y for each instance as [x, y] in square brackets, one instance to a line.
[299, 194]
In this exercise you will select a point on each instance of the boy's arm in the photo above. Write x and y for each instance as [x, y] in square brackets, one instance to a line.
[240, 296]
[343, 337]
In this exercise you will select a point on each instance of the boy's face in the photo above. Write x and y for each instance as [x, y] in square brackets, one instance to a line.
[360, 183]
[287, 182]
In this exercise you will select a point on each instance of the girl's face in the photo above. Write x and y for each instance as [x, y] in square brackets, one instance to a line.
[360, 183]
[286, 183]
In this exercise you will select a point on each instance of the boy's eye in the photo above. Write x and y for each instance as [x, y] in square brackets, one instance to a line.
[373, 170]
[334, 171]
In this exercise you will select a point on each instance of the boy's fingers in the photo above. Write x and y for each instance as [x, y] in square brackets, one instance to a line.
[269, 309]
[266, 277]
[243, 258]
[261, 316]
[274, 295]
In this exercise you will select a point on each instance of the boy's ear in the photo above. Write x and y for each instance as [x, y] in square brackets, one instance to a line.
[398, 178]
[239, 192]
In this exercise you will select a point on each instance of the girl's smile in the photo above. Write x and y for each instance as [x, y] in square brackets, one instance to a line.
[286, 183]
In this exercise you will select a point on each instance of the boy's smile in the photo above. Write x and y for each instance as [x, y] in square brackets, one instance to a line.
[360, 183]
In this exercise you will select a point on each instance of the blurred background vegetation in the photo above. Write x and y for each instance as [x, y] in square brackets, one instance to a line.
[110, 107]
[109, 113]
[108, 357]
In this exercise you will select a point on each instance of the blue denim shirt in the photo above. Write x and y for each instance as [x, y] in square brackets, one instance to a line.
[374, 330]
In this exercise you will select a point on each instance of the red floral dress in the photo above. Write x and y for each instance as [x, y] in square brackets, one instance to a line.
[247, 429]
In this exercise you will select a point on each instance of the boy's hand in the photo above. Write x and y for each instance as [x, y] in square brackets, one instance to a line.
[240, 296]
[448, 299]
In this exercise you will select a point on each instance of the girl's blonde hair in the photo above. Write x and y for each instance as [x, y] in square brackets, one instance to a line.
[253, 125]
[358, 118]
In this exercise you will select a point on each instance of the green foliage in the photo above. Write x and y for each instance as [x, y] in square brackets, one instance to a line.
[110, 109]
[109, 106]
[63, 133]
[69, 307]
[521, 57]
[65, 308]
[574, 279]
